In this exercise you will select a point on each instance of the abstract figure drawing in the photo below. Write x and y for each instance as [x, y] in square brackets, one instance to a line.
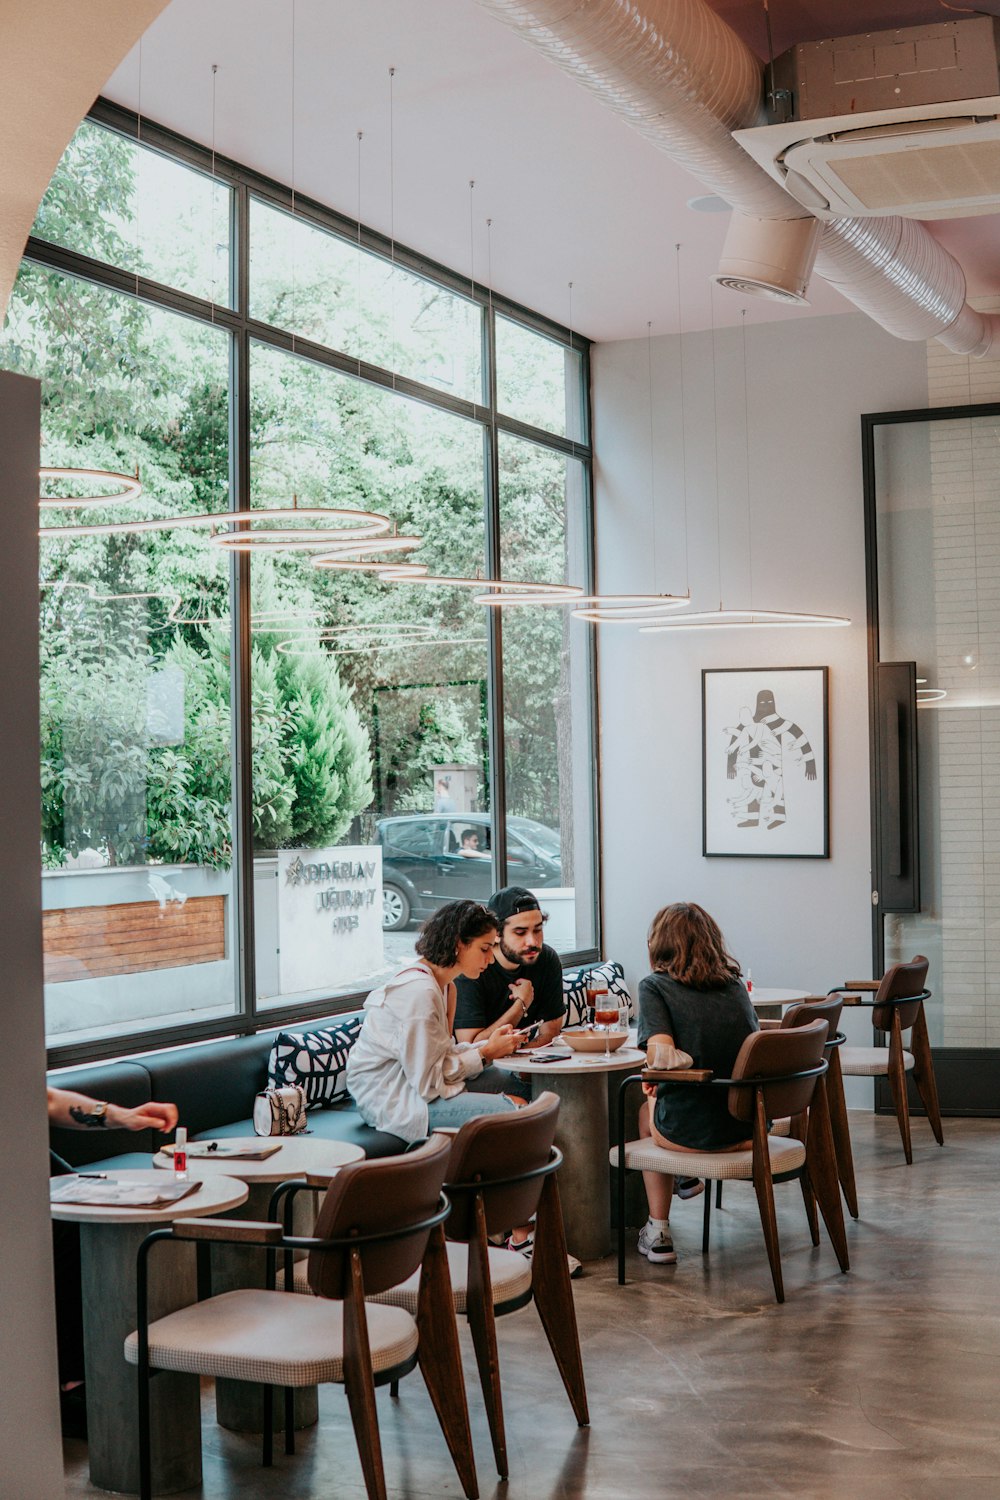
[757, 750]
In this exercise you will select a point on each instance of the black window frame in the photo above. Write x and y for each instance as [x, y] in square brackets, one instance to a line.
[249, 1016]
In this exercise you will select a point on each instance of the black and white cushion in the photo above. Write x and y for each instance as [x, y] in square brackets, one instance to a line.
[575, 983]
[315, 1060]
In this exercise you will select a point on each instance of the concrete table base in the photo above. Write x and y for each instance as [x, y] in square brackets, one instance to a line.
[107, 1253]
[582, 1136]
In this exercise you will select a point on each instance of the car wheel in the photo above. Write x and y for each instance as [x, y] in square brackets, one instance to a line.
[395, 909]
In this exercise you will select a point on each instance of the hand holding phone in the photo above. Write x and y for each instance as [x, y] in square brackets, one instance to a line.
[528, 1033]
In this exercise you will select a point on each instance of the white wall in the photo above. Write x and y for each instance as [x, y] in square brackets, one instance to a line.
[804, 923]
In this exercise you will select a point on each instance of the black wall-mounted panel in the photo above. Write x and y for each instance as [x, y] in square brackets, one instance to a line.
[898, 872]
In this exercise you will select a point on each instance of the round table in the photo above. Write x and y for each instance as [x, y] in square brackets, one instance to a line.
[580, 1080]
[768, 1002]
[110, 1236]
[238, 1405]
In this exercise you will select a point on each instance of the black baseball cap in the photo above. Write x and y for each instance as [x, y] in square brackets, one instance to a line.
[511, 900]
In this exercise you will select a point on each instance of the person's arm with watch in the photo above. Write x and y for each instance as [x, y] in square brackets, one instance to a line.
[79, 1112]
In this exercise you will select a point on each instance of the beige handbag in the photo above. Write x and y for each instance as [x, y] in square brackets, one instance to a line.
[280, 1111]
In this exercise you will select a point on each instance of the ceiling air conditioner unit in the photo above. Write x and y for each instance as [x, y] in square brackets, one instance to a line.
[888, 122]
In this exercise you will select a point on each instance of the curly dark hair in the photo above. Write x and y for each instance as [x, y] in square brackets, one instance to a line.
[455, 922]
[685, 942]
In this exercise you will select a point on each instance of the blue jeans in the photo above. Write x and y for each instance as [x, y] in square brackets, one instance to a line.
[482, 1096]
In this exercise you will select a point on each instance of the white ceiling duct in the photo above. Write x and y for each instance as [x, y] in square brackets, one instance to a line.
[682, 77]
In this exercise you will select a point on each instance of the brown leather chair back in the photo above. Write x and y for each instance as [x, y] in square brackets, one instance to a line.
[899, 983]
[494, 1147]
[774, 1054]
[373, 1197]
[817, 1008]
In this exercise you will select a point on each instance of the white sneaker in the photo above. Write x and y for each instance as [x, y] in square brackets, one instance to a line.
[657, 1246]
[526, 1247]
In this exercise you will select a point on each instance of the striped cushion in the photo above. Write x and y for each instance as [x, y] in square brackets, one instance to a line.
[644, 1156]
[270, 1338]
[869, 1062]
[575, 989]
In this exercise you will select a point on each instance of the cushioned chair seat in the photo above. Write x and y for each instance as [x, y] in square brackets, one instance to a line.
[510, 1276]
[643, 1156]
[869, 1062]
[327, 1125]
[227, 1337]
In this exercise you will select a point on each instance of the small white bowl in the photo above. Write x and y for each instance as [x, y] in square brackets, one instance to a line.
[593, 1041]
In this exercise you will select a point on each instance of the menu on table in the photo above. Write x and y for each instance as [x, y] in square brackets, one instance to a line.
[114, 1192]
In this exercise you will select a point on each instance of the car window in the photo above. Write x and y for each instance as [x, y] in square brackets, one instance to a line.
[415, 838]
[537, 835]
[461, 826]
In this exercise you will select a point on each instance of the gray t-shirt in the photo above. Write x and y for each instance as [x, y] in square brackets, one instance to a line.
[711, 1025]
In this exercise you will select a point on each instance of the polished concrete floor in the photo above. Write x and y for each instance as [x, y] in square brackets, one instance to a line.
[883, 1384]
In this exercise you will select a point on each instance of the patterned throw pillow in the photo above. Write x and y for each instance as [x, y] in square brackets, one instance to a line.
[315, 1060]
[575, 989]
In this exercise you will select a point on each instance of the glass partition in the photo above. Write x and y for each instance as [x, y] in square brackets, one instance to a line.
[137, 831]
[123, 203]
[323, 287]
[549, 761]
[937, 505]
[384, 813]
[354, 734]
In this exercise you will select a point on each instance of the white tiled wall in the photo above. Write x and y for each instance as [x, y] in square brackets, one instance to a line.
[960, 924]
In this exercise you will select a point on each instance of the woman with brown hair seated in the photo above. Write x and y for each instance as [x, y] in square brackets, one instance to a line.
[695, 1001]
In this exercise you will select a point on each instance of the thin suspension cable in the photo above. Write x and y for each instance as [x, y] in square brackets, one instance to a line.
[652, 460]
[746, 445]
[715, 419]
[357, 321]
[684, 486]
[357, 289]
[392, 222]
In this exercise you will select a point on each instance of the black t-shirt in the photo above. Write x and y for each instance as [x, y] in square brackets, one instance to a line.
[483, 1001]
[711, 1025]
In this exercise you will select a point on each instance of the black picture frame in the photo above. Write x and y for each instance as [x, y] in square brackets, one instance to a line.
[765, 762]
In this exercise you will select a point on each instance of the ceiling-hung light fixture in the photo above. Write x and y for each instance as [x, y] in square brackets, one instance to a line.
[127, 493]
[630, 609]
[724, 618]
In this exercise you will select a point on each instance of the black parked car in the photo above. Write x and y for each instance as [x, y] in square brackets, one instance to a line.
[431, 858]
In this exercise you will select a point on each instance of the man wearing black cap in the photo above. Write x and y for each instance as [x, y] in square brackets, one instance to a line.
[524, 985]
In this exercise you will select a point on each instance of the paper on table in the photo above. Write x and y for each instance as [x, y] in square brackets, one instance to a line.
[231, 1150]
[111, 1192]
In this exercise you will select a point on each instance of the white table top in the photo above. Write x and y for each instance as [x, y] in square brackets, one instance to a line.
[576, 1062]
[212, 1197]
[761, 996]
[296, 1156]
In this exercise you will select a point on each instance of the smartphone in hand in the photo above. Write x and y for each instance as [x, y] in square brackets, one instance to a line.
[528, 1033]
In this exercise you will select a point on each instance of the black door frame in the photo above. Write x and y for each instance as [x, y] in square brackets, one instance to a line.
[968, 1078]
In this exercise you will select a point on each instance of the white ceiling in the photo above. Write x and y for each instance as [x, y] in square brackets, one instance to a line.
[574, 193]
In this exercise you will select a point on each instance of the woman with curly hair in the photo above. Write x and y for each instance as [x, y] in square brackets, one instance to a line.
[693, 1000]
[406, 1072]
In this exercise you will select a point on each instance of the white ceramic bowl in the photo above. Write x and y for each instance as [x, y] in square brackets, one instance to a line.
[593, 1041]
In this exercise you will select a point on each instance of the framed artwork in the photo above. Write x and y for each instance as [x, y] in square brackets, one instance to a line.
[765, 774]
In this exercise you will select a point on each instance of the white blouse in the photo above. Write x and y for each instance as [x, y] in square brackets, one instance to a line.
[406, 1056]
